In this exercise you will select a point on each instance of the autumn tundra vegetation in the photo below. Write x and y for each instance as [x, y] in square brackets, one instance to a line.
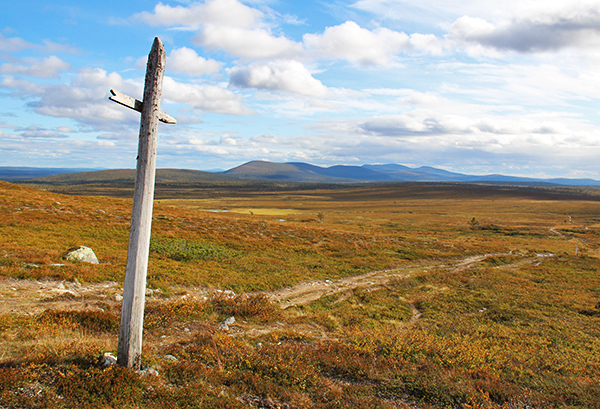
[403, 295]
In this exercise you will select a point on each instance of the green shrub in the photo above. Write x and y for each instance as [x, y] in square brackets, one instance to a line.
[185, 250]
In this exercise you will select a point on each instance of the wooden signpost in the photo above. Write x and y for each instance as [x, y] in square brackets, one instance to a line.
[134, 291]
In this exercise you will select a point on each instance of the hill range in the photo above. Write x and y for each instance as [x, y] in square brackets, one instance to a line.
[289, 172]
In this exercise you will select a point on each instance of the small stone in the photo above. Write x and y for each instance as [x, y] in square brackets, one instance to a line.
[229, 321]
[170, 358]
[149, 372]
[118, 297]
[226, 323]
[107, 359]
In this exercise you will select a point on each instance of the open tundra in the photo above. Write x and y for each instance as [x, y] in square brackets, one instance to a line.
[296, 295]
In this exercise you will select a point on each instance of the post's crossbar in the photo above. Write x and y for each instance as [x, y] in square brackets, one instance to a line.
[138, 105]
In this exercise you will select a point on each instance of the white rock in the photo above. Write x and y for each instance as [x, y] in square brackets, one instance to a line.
[226, 323]
[84, 254]
[229, 321]
[107, 359]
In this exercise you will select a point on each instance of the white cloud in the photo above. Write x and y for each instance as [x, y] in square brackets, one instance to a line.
[20, 86]
[85, 99]
[186, 61]
[34, 132]
[219, 12]
[207, 98]
[351, 42]
[47, 68]
[246, 43]
[13, 44]
[290, 76]
[228, 140]
[426, 99]
[16, 44]
[356, 44]
[535, 27]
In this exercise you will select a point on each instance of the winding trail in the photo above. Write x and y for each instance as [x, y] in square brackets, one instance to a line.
[307, 292]
[32, 297]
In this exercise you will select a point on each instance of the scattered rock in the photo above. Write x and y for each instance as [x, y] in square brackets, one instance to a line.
[82, 253]
[226, 323]
[170, 358]
[149, 372]
[107, 359]
[150, 291]
[118, 297]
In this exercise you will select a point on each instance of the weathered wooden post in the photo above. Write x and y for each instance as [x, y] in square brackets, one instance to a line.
[134, 290]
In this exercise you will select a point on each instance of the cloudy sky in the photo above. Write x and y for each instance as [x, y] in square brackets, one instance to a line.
[473, 86]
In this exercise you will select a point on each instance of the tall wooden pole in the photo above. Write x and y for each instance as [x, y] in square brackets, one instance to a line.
[134, 291]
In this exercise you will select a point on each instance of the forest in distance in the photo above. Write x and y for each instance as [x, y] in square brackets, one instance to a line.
[378, 295]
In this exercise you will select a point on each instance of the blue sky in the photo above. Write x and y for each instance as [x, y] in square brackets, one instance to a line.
[478, 87]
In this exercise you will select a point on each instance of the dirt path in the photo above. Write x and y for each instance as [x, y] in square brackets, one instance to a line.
[32, 297]
[307, 292]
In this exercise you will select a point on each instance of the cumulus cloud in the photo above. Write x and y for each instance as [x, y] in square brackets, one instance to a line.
[241, 31]
[19, 87]
[186, 61]
[13, 44]
[205, 98]
[255, 43]
[351, 42]
[290, 76]
[47, 68]
[219, 12]
[84, 99]
[550, 29]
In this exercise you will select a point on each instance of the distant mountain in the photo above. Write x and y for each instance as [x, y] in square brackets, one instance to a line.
[290, 172]
[422, 174]
[304, 172]
[15, 174]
